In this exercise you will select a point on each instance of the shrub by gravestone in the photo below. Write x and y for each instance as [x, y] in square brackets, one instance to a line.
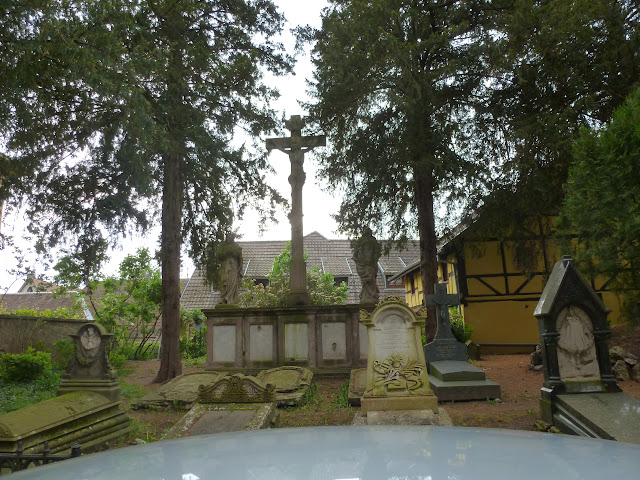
[25, 367]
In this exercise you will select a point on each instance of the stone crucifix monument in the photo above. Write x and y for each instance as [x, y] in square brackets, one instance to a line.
[296, 146]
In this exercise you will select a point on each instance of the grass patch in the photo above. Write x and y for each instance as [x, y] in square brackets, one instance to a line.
[131, 391]
[311, 396]
[342, 399]
[16, 395]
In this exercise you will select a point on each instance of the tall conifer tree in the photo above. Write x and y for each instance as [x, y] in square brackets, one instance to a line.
[108, 106]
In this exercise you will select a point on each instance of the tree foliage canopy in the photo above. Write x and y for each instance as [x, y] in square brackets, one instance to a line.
[560, 65]
[108, 106]
[321, 286]
[602, 205]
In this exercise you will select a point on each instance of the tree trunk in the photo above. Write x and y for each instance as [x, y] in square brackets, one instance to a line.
[428, 250]
[172, 193]
[170, 362]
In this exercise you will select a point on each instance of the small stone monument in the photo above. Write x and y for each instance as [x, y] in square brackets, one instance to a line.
[396, 371]
[296, 146]
[89, 369]
[230, 258]
[366, 253]
[451, 376]
[580, 394]
[444, 345]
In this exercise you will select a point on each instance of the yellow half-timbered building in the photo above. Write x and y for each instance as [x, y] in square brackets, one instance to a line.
[500, 281]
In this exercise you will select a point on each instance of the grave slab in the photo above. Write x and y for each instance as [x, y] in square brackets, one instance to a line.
[204, 419]
[613, 416]
[404, 417]
[79, 417]
[291, 383]
[182, 391]
[452, 380]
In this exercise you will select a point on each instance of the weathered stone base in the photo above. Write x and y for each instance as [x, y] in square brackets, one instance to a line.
[357, 386]
[108, 388]
[80, 417]
[403, 417]
[409, 402]
[612, 416]
[453, 380]
[204, 419]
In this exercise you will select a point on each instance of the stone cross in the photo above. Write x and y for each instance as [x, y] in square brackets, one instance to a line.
[295, 146]
[442, 301]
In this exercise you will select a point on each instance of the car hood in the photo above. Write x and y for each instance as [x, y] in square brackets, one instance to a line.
[380, 452]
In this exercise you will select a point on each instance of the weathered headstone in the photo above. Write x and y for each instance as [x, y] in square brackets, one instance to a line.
[89, 369]
[296, 146]
[396, 371]
[451, 376]
[232, 403]
[444, 345]
[580, 394]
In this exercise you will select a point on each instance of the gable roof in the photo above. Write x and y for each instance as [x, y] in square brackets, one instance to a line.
[39, 301]
[329, 255]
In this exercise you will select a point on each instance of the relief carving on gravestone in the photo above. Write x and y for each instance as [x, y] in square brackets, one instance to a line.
[576, 345]
[398, 372]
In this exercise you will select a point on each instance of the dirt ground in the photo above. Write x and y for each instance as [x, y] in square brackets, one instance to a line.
[518, 408]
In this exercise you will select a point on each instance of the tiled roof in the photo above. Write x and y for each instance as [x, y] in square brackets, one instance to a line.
[36, 301]
[330, 256]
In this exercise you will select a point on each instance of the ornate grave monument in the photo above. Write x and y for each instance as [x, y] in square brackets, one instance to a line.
[451, 376]
[296, 146]
[396, 371]
[366, 253]
[580, 394]
[89, 369]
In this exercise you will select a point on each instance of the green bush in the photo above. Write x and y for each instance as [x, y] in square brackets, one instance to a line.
[63, 352]
[460, 330]
[117, 359]
[196, 346]
[25, 367]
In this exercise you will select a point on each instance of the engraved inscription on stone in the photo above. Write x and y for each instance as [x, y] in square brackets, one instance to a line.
[394, 335]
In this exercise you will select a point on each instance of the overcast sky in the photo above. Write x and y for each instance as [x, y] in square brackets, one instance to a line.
[318, 206]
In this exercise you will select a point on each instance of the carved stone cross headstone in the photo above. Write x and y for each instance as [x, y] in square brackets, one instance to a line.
[444, 345]
[296, 146]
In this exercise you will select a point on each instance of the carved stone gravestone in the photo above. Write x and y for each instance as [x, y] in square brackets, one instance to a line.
[580, 394]
[396, 371]
[89, 369]
[444, 345]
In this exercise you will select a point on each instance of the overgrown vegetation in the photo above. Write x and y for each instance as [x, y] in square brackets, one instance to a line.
[321, 286]
[27, 378]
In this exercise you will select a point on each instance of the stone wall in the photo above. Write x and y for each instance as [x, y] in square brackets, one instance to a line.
[323, 338]
[17, 333]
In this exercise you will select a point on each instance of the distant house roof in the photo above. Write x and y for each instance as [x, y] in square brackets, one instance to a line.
[40, 301]
[33, 284]
[329, 255]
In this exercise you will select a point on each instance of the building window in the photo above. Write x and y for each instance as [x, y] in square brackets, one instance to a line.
[445, 272]
[261, 281]
[338, 280]
[413, 285]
